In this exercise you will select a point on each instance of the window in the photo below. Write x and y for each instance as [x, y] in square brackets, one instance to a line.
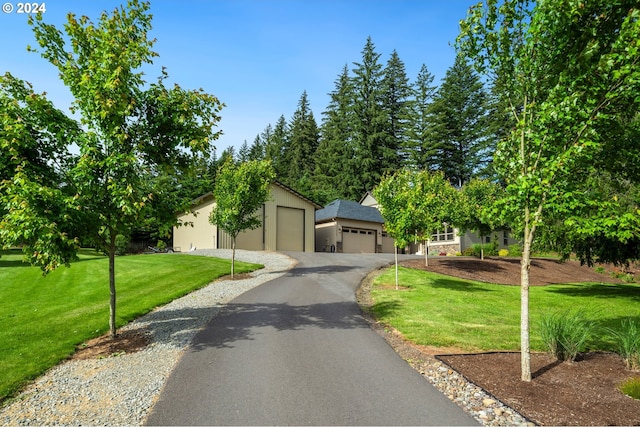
[506, 238]
[445, 235]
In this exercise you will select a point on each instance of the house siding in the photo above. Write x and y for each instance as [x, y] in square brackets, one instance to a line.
[201, 234]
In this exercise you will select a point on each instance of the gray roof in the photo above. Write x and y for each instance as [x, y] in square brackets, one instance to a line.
[347, 209]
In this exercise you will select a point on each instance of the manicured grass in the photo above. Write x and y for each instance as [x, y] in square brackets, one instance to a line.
[43, 319]
[438, 310]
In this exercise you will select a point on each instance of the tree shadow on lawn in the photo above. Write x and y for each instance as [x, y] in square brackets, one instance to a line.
[599, 290]
[460, 285]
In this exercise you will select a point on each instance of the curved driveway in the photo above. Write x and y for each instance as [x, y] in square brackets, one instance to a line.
[296, 350]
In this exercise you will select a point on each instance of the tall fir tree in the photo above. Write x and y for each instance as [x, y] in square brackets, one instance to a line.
[333, 175]
[460, 109]
[421, 149]
[256, 151]
[397, 100]
[243, 152]
[371, 157]
[303, 142]
[277, 143]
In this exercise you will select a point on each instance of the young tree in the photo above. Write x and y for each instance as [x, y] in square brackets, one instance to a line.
[567, 71]
[416, 204]
[436, 205]
[240, 190]
[478, 197]
[129, 130]
[395, 197]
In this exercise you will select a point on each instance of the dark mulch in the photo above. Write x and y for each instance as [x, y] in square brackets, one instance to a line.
[506, 271]
[579, 393]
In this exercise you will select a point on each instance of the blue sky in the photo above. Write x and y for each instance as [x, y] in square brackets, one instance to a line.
[257, 56]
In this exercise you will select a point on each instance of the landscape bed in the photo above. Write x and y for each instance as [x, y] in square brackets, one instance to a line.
[580, 393]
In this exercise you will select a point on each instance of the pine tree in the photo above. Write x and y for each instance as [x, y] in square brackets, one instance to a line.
[256, 151]
[333, 175]
[370, 124]
[420, 151]
[303, 142]
[276, 147]
[460, 109]
[243, 152]
[396, 102]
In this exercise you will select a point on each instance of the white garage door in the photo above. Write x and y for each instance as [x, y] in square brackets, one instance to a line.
[358, 241]
[290, 234]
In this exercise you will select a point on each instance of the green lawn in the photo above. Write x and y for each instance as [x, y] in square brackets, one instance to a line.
[438, 310]
[42, 319]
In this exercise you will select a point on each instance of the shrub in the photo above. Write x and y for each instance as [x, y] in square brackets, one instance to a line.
[515, 250]
[627, 341]
[600, 269]
[469, 251]
[631, 387]
[491, 249]
[628, 278]
[565, 333]
[122, 244]
[503, 252]
[161, 245]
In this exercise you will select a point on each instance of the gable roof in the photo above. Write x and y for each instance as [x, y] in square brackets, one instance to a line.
[347, 209]
[209, 196]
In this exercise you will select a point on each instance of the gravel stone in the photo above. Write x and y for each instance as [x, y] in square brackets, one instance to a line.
[122, 390]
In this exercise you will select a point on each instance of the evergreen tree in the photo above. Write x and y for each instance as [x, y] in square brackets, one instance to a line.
[396, 101]
[277, 145]
[420, 150]
[303, 142]
[243, 152]
[256, 152]
[333, 174]
[371, 158]
[460, 109]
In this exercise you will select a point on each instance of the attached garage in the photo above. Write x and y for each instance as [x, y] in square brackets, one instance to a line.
[348, 227]
[287, 225]
[355, 240]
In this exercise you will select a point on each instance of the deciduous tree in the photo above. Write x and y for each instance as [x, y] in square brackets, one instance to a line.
[240, 190]
[568, 71]
[130, 129]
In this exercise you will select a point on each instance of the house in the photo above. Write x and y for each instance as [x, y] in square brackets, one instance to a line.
[448, 240]
[346, 226]
[288, 220]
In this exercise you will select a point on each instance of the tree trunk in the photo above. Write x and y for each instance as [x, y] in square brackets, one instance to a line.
[525, 350]
[482, 248]
[112, 286]
[396, 256]
[233, 256]
[426, 253]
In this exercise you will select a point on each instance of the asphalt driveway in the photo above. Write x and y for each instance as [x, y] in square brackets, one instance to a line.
[296, 350]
